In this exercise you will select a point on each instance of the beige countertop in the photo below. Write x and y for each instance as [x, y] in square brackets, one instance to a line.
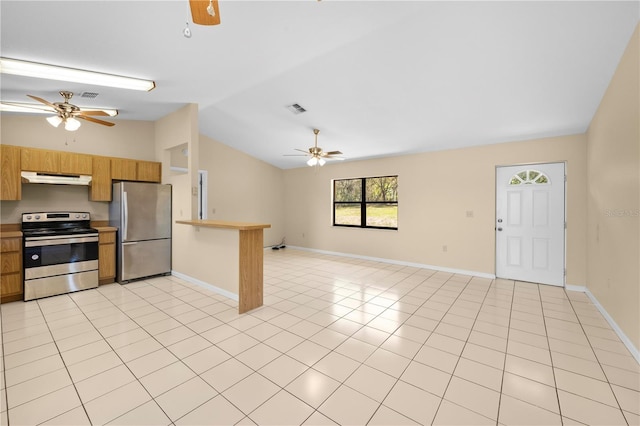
[223, 224]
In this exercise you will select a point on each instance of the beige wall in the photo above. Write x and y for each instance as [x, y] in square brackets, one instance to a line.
[173, 130]
[613, 155]
[242, 188]
[131, 139]
[436, 190]
[128, 138]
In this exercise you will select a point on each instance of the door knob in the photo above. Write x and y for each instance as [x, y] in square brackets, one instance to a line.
[499, 229]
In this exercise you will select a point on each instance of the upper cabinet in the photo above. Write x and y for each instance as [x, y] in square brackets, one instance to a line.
[148, 171]
[46, 161]
[123, 169]
[10, 184]
[40, 160]
[101, 180]
[103, 170]
[76, 164]
[133, 170]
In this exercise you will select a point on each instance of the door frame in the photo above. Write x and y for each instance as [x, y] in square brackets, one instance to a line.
[495, 214]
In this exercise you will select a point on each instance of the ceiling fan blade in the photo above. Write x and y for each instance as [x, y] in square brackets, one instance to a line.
[94, 120]
[97, 112]
[302, 150]
[200, 14]
[295, 155]
[332, 153]
[47, 103]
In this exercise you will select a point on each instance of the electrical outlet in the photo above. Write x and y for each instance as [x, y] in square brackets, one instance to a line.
[444, 249]
[213, 211]
[469, 213]
[303, 235]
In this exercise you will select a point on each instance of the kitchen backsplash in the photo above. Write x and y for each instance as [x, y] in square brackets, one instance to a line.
[49, 198]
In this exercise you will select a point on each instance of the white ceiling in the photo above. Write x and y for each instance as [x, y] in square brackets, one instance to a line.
[378, 78]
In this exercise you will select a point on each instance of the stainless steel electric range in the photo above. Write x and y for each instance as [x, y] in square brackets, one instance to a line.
[60, 253]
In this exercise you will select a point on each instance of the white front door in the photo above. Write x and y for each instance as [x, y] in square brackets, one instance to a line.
[530, 223]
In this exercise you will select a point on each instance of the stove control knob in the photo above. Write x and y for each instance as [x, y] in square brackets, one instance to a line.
[29, 217]
[77, 216]
[37, 217]
[84, 216]
[34, 257]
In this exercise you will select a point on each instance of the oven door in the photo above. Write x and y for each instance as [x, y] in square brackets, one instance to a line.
[58, 255]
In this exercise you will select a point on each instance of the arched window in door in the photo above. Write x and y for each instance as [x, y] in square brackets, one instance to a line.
[529, 177]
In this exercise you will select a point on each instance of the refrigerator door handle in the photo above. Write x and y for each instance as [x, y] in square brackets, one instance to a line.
[130, 243]
[125, 215]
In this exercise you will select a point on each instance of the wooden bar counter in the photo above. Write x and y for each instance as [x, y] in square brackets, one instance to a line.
[250, 258]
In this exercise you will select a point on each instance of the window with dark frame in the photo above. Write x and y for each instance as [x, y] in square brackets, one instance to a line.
[370, 202]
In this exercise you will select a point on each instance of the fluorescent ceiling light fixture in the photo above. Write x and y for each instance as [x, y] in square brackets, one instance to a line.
[53, 72]
[41, 109]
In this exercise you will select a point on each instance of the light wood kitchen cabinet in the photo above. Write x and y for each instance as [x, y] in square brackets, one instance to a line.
[47, 161]
[106, 255]
[75, 164]
[11, 267]
[123, 169]
[39, 160]
[148, 171]
[14, 159]
[101, 179]
[10, 185]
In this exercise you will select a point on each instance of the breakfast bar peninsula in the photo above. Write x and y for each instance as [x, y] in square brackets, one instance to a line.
[233, 252]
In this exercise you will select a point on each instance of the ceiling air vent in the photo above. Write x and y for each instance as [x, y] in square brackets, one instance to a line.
[89, 95]
[296, 109]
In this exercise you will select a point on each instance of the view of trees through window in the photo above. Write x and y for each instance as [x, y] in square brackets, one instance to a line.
[378, 208]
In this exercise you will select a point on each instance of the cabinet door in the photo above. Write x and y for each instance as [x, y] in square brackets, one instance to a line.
[11, 269]
[10, 287]
[100, 179]
[123, 169]
[40, 160]
[75, 164]
[10, 185]
[148, 171]
[107, 256]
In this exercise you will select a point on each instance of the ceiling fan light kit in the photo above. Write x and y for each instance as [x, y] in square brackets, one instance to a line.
[54, 72]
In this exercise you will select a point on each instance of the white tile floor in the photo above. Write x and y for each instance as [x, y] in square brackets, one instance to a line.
[339, 341]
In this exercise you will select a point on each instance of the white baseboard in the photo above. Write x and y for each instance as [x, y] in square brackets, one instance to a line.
[578, 288]
[221, 291]
[627, 342]
[399, 262]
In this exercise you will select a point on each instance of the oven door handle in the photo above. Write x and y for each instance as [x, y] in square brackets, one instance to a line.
[125, 215]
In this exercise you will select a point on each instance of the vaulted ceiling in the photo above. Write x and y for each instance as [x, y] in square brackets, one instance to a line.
[378, 78]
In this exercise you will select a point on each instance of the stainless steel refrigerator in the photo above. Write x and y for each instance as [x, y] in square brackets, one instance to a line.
[142, 214]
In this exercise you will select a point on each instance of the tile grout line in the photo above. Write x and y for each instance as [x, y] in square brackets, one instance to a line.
[598, 359]
[553, 370]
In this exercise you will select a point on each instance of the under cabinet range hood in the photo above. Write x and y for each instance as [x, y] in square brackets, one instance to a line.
[35, 177]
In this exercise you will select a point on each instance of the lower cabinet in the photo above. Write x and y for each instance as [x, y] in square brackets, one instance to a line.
[106, 256]
[11, 269]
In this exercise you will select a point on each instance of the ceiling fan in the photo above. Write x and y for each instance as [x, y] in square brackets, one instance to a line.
[66, 112]
[205, 12]
[318, 156]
